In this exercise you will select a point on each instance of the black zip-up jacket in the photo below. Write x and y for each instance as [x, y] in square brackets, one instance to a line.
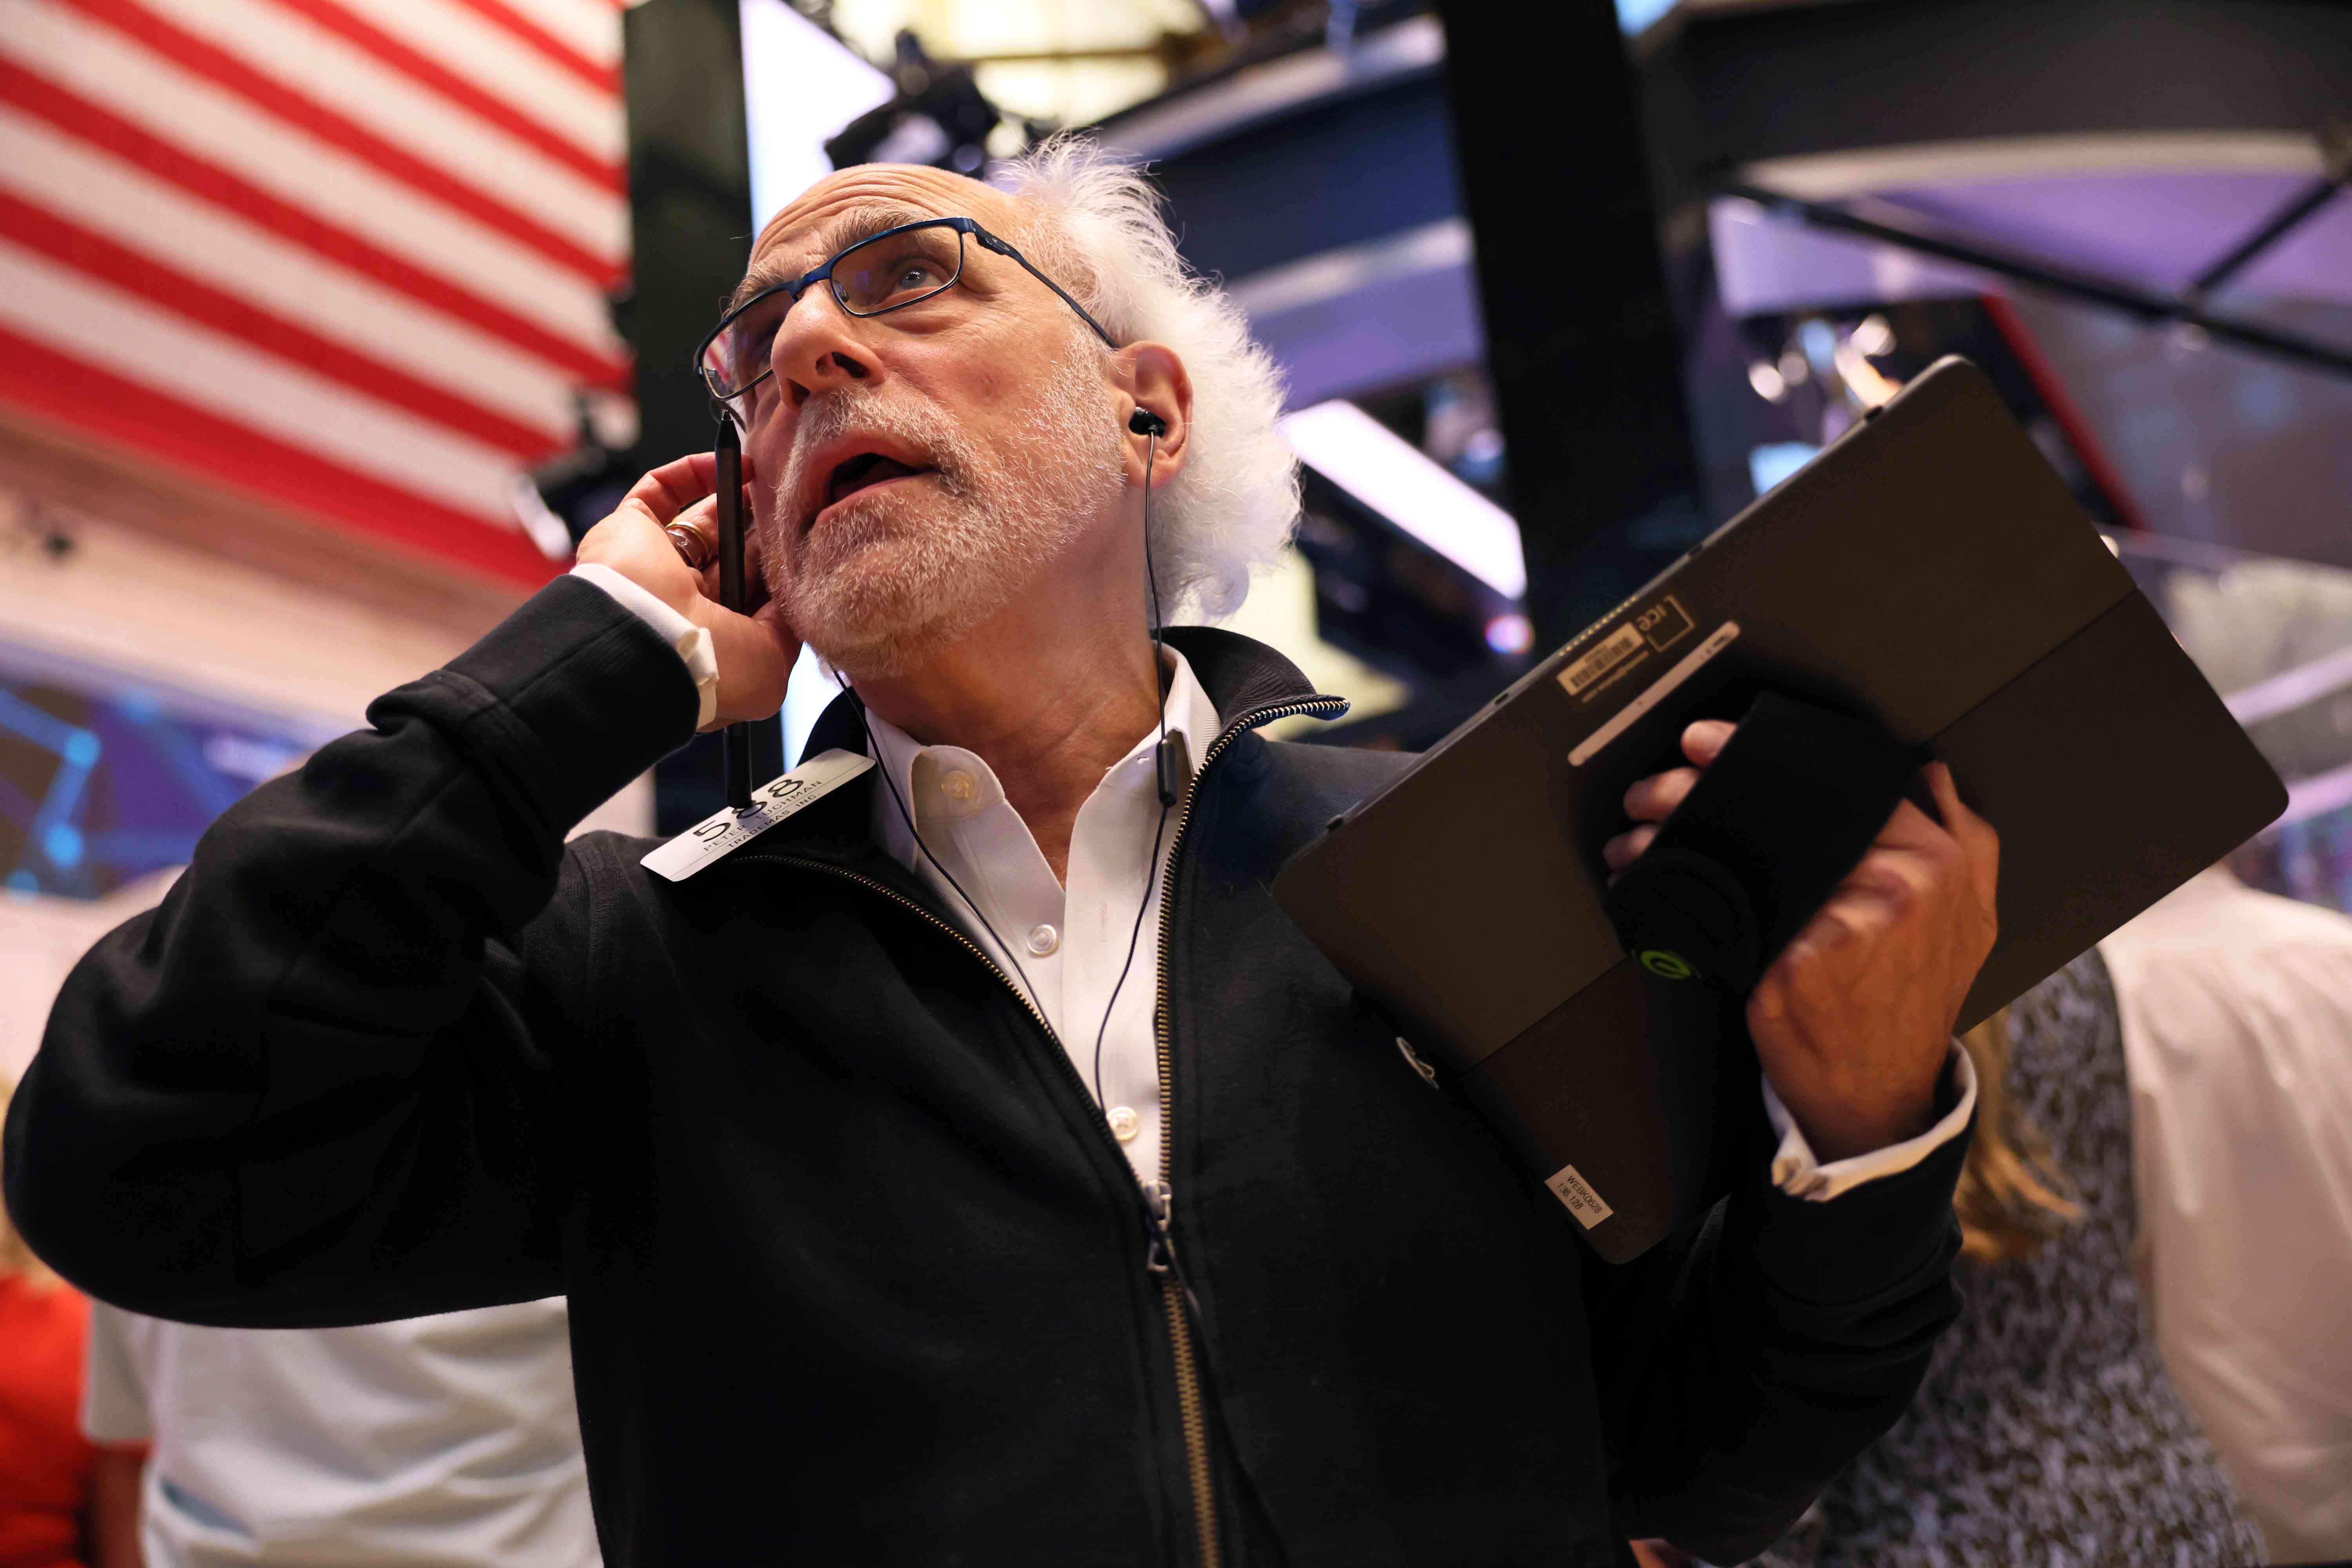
[858, 1273]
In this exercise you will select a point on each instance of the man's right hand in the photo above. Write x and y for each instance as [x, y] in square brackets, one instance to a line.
[755, 650]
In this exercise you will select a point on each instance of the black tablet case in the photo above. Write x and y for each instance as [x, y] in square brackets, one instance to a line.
[1928, 570]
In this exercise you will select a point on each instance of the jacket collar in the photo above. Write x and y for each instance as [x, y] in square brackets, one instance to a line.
[1241, 676]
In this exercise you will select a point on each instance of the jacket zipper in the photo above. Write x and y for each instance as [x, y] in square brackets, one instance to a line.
[1160, 1196]
[1160, 1257]
[1158, 1254]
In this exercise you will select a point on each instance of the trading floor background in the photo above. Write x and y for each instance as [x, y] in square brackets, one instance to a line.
[326, 327]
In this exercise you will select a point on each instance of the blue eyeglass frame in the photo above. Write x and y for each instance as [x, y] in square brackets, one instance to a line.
[800, 285]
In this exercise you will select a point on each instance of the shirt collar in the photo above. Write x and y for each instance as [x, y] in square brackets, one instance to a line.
[947, 783]
[1239, 676]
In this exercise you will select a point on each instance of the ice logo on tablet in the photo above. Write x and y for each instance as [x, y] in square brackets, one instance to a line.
[1667, 964]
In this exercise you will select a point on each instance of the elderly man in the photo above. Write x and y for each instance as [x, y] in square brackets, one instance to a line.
[913, 1203]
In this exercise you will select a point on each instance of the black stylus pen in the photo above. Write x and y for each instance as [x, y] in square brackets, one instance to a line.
[735, 741]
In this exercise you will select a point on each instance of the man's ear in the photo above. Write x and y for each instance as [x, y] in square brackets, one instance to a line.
[1149, 376]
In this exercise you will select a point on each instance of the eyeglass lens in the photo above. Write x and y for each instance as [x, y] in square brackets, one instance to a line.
[896, 269]
[886, 273]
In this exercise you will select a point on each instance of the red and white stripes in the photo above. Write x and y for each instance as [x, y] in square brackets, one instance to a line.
[351, 255]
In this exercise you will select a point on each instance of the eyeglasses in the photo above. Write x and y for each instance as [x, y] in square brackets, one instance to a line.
[897, 267]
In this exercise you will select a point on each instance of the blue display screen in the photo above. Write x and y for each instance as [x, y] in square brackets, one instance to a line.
[103, 781]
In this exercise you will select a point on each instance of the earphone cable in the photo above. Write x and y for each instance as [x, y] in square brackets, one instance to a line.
[875, 747]
[1159, 837]
[1151, 871]
[1152, 579]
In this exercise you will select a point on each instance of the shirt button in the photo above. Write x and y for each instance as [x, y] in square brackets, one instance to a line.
[960, 787]
[1125, 1124]
[1043, 939]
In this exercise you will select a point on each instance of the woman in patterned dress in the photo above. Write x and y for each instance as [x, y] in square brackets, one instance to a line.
[2047, 1432]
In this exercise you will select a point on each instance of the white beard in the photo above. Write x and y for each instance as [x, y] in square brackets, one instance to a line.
[897, 571]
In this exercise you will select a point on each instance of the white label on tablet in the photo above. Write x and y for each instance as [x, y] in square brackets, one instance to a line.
[1576, 1194]
[721, 832]
[1655, 693]
[1604, 655]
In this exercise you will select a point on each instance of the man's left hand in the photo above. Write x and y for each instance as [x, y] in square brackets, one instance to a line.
[1853, 1022]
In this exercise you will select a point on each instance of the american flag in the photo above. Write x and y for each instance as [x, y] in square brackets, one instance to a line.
[349, 255]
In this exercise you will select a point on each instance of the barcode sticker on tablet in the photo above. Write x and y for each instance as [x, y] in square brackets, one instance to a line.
[1605, 656]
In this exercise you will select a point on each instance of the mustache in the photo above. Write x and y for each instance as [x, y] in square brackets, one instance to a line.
[931, 433]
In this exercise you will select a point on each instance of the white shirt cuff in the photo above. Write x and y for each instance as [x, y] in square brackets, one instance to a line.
[1797, 1172]
[692, 642]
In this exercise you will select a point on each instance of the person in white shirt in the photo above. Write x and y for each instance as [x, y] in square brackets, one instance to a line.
[2237, 1027]
[429, 1443]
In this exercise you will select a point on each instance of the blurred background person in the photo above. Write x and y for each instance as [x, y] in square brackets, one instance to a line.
[2047, 1430]
[64, 1501]
[2236, 1022]
[429, 1443]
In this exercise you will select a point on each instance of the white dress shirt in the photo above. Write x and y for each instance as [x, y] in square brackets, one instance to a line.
[1072, 941]
[440, 1442]
[2237, 1023]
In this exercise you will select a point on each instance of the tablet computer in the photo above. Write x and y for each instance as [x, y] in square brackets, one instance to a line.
[1926, 572]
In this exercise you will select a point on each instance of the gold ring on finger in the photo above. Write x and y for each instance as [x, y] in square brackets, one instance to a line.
[692, 548]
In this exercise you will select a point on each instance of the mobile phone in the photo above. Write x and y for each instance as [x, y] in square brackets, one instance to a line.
[735, 741]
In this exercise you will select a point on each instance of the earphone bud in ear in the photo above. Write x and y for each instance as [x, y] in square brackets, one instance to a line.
[1144, 422]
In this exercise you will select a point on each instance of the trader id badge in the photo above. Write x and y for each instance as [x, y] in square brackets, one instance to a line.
[724, 830]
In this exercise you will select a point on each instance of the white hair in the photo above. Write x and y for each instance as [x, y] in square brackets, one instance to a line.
[1094, 225]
